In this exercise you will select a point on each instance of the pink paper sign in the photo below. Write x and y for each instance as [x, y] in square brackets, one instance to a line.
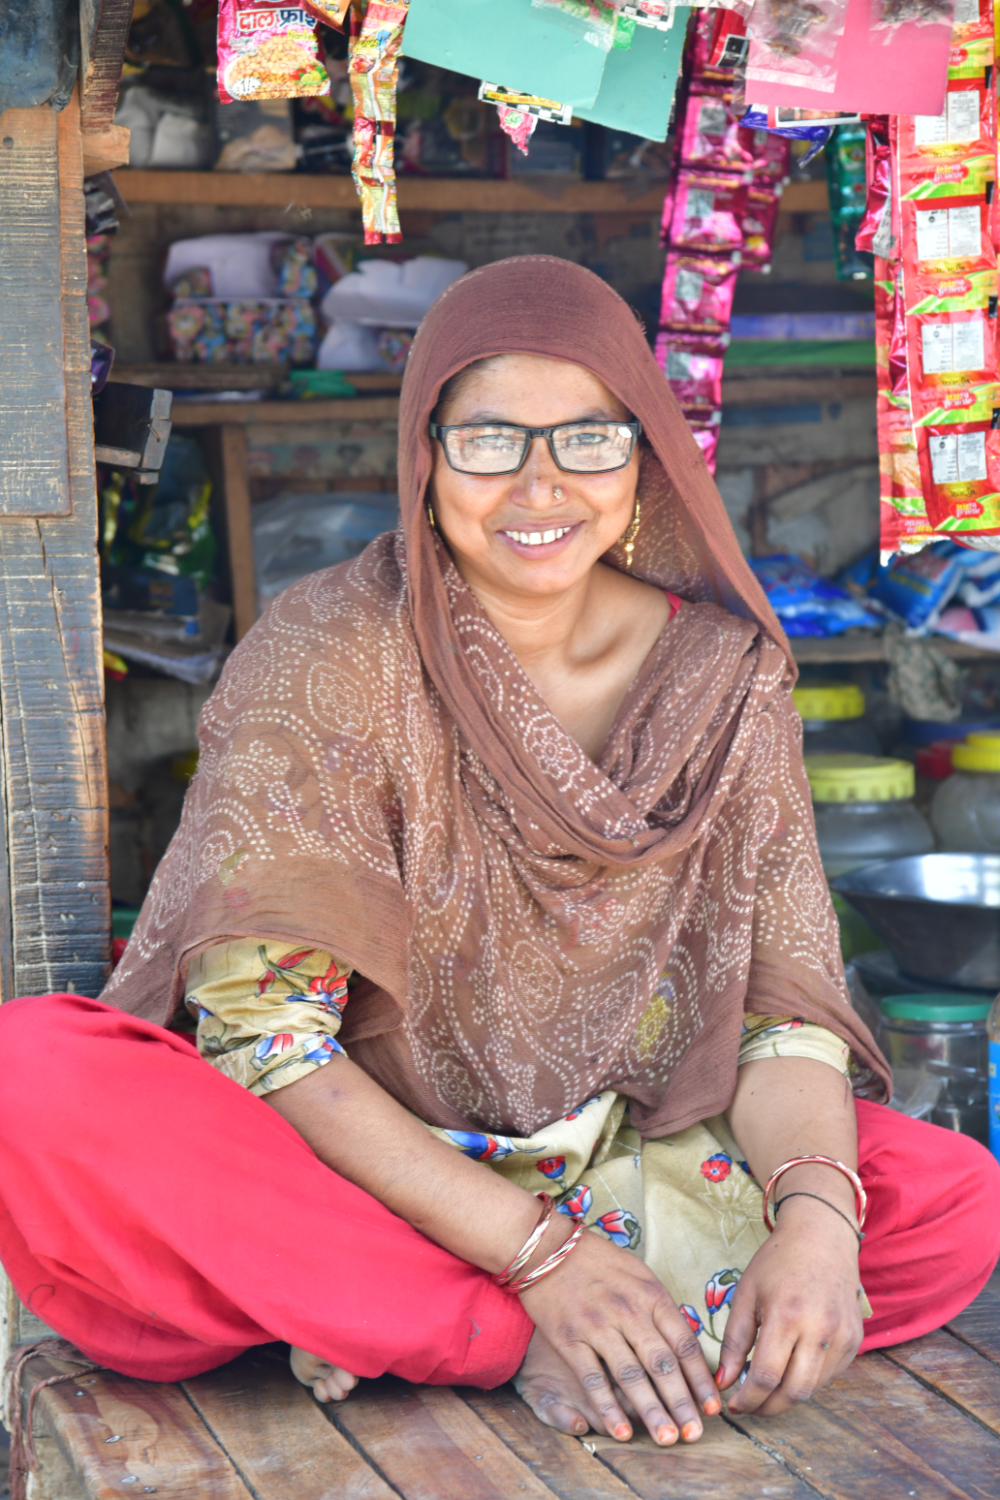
[904, 76]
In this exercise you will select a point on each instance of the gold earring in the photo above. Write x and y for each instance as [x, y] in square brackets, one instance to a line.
[430, 516]
[629, 535]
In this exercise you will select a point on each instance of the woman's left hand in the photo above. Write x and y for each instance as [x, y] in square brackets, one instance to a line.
[802, 1292]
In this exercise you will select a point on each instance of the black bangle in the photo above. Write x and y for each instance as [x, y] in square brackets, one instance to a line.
[836, 1210]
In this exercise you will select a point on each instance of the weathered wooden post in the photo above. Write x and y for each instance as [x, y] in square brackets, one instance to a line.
[54, 901]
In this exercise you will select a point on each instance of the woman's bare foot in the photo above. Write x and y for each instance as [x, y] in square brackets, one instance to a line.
[553, 1392]
[328, 1382]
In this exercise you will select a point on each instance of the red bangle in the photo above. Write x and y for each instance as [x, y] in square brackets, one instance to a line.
[860, 1196]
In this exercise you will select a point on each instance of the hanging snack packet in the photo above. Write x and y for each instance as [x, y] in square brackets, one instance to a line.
[952, 361]
[888, 14]
[876, 221]
[705, 211]
[705, 431]
[331, 12]
[698, 291]
[960, 471]
[711, 135]
[949, 237]
[730, 44]
[692, 364]
[268, 51]
[373, 68]
[951, 155]
[757, 116]
[759, 224]
[770, 156]
[794, 42]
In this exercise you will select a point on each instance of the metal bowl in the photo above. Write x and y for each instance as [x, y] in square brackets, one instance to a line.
[938, 913]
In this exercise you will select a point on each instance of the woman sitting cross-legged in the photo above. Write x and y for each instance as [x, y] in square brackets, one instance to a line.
[497, 880]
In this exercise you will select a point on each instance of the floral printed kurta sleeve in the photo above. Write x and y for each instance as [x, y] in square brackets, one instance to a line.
[267, 1013]
[790, 1036]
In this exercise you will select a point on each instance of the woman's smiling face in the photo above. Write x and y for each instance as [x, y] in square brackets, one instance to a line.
[492, 522]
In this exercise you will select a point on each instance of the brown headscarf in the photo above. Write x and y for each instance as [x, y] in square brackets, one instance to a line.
[379, 778]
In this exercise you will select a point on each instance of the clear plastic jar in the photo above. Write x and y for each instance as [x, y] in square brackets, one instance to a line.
[833, 719]
[864, 812]
[965, 811]
[942, 1037]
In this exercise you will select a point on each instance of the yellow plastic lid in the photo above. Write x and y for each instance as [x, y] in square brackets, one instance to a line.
[829, 700]
[980, 752]
[860, 778]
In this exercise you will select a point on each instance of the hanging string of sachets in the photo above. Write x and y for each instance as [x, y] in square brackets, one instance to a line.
[719, 216]
[932, 222]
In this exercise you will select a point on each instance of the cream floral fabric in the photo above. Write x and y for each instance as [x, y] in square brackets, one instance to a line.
[688, 1204]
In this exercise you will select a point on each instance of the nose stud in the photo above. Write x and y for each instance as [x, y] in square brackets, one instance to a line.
[557, 493]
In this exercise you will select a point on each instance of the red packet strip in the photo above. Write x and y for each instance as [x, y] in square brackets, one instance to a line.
[373, 68]
[960, 472]
[903, 523]
[268, 51]
[705, 211]
[711, 135]
[698, 291]
[692, 364]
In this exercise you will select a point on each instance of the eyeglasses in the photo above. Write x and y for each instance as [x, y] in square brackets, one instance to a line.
[502, 447]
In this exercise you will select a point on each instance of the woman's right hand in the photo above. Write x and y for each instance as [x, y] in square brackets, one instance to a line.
[606, 1315]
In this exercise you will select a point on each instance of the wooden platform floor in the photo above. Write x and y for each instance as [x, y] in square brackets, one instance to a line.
[919, 1421]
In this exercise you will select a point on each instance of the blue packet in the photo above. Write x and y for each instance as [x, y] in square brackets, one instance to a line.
[806, 603]
[756, 119]
[916, 587]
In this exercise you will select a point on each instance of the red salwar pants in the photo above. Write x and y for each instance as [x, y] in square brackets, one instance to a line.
[164, 1220]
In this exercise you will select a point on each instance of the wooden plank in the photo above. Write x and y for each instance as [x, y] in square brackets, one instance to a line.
[763, 390]
[34, 460]
[52, 755]
[869, 646]
[276, 1436]
[878, 1434]
[227, 377]
[721, 1465]
[436, 194]
[430, 1446]
[104, 28]
[131, 1437]
[563, 1463]
[979, 1325]
[239, 531]
[250, 413]
[956, 1371]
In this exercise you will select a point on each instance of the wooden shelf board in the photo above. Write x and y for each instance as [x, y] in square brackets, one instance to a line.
[815, 650]
[246, 413]
[221, 377]
[436, 194]
[761, 389]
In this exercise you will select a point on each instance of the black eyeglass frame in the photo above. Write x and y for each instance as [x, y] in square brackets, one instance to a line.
[530, 433]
